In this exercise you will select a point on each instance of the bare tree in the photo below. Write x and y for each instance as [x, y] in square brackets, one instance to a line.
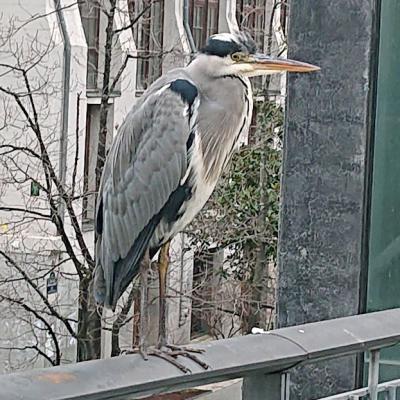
[41, 229]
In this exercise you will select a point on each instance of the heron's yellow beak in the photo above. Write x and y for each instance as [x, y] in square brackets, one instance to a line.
[263, 64]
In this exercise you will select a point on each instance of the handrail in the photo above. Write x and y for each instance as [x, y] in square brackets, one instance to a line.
[389, 386]
[244, 356]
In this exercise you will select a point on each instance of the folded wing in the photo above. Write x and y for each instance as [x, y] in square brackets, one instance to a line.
[142, 176]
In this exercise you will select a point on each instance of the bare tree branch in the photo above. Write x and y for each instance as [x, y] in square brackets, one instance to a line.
[35, 287]
[49, 329]
[136, 19]
[26, 211]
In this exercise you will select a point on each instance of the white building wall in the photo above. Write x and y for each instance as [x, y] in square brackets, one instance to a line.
[126, 100]
[227, 16]
[175, 42]
[39, 41]
[34, 244]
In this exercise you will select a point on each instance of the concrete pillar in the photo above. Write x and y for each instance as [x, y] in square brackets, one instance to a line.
[227, 16]
[178, 303]
[321, 243]
[179, 289]
[180, 274]
[175, 43]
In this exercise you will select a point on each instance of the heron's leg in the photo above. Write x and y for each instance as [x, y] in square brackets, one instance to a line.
[165, 351]
[163, 262]
[144, 316]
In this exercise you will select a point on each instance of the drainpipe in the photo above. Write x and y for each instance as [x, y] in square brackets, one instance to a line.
[65, 102]
[187, 26]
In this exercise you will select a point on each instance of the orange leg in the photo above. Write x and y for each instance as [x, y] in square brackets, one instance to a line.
[144, 315]
[164, 350]
[163, 262]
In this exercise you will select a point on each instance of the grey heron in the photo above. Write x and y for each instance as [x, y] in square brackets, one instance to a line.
[167, 157]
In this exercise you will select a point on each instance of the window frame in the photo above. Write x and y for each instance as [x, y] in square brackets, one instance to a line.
[90, 13]
[206, 30]
[148, 60]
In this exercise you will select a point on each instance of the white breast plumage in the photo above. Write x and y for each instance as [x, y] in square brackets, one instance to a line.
[201, 184]
[202, 188]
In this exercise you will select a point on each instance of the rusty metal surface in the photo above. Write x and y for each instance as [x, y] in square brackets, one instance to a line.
[129, 376]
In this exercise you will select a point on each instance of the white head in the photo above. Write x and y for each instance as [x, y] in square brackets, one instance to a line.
[236, 54]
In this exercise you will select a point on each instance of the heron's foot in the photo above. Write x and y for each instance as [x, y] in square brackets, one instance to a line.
[170, 353]
[143, 351]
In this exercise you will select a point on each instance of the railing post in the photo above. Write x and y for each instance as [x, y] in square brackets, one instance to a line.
[373, 374]
[262, 387]
[285, 386]
[392, 393]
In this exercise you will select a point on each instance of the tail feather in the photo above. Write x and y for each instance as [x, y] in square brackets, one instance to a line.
[127, 268]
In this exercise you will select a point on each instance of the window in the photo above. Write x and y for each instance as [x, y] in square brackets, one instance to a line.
[250, 15]
[148, 34]
[203, 19]
[283, 16]
[384, 242]
[90, 15]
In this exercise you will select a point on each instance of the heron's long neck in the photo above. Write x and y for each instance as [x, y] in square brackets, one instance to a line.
[224, 120]
[242, 133]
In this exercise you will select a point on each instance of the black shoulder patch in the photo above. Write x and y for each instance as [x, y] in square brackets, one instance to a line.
[220, 48]
[190, 141]
[185, 89]
[99, 218]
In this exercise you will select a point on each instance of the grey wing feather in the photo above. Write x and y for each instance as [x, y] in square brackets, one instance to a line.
[145, 165]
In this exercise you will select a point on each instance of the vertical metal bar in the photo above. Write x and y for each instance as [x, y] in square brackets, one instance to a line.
[285, 386]
[392, 393]
[373, 374]
[262, 387]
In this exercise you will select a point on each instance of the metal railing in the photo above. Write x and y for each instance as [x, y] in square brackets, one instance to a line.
[259, 359]
[388, 388]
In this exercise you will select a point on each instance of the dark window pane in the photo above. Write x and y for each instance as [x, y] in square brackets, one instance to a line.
[198, 13]
[90, 15]
[148, 34]
[250, 15]
[212, 18]
[203, 20]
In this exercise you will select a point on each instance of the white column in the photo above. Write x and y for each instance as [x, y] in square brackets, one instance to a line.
[175, 43]
[227, 16]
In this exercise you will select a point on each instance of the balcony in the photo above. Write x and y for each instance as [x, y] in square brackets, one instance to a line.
[263, 361]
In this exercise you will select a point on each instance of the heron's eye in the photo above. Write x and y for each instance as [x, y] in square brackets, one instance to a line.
[237, 56]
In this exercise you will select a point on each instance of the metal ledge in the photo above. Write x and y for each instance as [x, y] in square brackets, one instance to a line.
[128, 376]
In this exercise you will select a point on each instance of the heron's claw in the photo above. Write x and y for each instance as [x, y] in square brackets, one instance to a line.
[186, 348]
[170, 353]
[175, 351]
[142, 351]
[170, 356]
